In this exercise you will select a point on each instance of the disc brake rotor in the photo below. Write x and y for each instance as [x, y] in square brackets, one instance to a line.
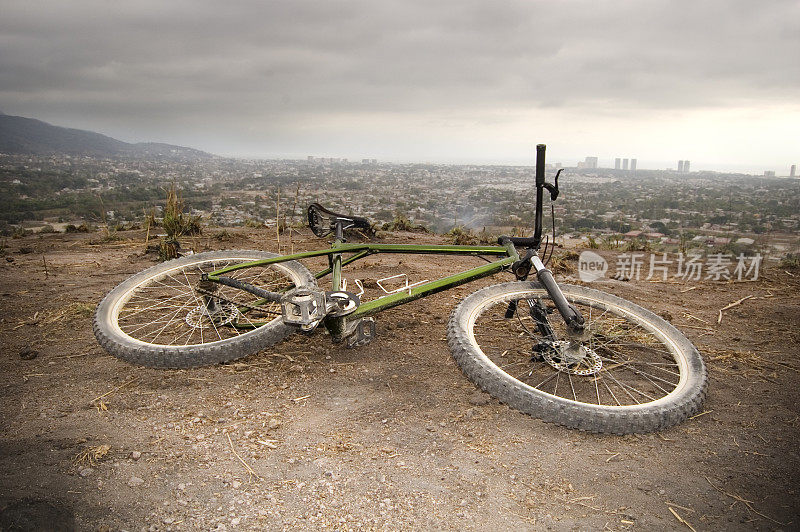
[572, 359]
[200, 317]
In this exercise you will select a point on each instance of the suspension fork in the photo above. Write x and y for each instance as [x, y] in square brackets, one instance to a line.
[572, 317]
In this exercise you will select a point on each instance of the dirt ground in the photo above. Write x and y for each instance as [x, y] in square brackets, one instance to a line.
[389, 436]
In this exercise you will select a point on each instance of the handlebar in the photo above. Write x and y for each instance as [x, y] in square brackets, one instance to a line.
[535, 241]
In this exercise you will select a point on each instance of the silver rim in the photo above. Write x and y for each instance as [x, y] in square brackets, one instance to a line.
[166, 309]
[627, 362]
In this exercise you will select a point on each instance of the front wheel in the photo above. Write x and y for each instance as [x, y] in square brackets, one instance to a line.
[631, 372]
[168, 317]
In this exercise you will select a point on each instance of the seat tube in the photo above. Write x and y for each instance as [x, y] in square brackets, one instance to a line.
[336, 266]
[336, 325]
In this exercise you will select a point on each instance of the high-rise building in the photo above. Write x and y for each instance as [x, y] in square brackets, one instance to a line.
[685, 167]
[591, 162]
[793, 170]
[769, 173]
[680, 167]
[617, 163]
[624, 164]
[633, 165]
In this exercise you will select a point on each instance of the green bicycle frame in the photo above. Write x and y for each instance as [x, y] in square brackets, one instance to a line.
[508, 253]
[337, 260]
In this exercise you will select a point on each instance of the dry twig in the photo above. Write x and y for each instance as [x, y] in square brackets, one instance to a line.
[246, 466]
[747, 503]
[700, 328]
[735, 303]
[670, 503]
[118, 388]
[690, 316]
[681, 519]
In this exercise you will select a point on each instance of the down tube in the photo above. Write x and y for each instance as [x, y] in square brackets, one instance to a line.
[393, 300]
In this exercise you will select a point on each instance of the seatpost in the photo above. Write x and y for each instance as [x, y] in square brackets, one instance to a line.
[537, 232]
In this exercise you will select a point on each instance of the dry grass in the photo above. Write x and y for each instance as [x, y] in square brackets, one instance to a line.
[71, 312]
[746, 363]
[341, 442]
[91, 455]
[564, 263]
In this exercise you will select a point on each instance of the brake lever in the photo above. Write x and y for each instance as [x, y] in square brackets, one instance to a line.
[553, 189]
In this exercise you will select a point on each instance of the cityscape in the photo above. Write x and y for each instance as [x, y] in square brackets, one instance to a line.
[615, 207]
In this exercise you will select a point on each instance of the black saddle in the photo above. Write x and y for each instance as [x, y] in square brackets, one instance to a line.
[323, 221]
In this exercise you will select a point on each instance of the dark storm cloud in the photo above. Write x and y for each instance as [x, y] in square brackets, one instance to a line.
[191, 62]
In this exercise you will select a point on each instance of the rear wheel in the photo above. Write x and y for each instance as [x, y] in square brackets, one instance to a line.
[631, 372]
[168, 317]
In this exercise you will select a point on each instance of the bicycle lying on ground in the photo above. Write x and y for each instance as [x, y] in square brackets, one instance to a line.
[566, 354]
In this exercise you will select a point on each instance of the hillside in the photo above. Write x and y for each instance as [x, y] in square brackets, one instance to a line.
[389, 436]
[20, 135]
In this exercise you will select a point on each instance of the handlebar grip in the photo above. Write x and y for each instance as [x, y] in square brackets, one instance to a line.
[540, 148]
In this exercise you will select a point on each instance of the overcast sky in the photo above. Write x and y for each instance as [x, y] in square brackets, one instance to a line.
[715, 82]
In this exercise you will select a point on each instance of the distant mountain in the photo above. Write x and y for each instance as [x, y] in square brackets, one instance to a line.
[28, 136]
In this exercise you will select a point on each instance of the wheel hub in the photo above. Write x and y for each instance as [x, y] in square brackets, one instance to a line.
[572, 357]
[222, 314]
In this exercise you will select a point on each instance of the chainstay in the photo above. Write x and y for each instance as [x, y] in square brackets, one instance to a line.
[235, 303]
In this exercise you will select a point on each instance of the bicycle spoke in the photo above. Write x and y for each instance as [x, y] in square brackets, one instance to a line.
[154, 307]
[168, 322]
[639, 371]
[548, 379]
[596, 389]
[624, 362]
[170, 309]
[572, 387]
[612, 393]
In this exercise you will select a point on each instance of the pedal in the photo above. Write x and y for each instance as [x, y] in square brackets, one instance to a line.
[363, 333]
[304, 307]
[341, 303]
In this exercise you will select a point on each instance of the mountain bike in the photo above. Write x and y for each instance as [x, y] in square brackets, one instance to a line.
[566, 354]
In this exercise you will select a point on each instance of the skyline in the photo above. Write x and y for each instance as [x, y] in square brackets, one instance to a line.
[458, 82]
[601, 162]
